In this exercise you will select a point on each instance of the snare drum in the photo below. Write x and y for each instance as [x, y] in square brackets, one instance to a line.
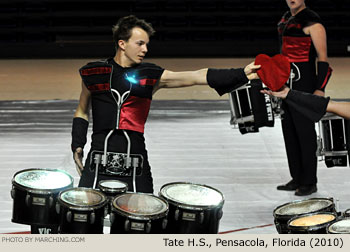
[339, 227]
[82, 211]
[282, 214]
[112, 188]
[312, 223]
[193, 208]
[34, 193]
[140, 213]
[250, 109]
[333, 137]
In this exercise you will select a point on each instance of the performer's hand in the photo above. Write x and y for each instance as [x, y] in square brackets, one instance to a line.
[282, 93]
[78, 159]
[250, 71]
[318, 92]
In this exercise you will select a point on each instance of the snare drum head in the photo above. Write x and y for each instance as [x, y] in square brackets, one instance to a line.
[311, 220]
[112, 185]
[192, 194]
[302, 207]
[82, 197]
[340, 227]
[43, 179]
[140, 204]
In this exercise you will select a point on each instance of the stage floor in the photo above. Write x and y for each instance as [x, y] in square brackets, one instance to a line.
[190, 141]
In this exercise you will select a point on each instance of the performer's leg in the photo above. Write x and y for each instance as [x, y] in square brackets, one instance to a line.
[87, 177]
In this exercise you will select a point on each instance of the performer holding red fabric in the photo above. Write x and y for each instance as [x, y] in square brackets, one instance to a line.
[120, 91]
[302, 39]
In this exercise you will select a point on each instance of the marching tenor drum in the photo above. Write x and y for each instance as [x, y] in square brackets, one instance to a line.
[34, 192]
[283, 213]
[339, 227]
[138, 213]
[312, 223]
[112, 188]
[251, 109]
[193, 208]
[334, 140]
[82, 211]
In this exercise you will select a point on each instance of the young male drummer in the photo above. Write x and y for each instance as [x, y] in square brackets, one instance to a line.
[120, 91]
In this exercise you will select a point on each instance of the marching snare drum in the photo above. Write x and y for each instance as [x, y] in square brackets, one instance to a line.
[34, 192]
[339, 227]
[138, 213]
[283, 213]
[312, 223]
[193, 208]
[333, 134]
[112, 188]
[250, 109]
[82, 211]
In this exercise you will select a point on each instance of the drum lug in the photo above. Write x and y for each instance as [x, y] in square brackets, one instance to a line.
[13, 193]
[164, 223]
[92, 218]
[148, 227]
[220, 214]
[28, 200]
[127, 225]
[111, 217]
[58, 208]
[201, 217]
[50, 202]
[177, 214]
[69, 216]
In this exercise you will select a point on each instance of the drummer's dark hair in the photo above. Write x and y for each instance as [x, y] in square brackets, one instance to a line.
[122, 30]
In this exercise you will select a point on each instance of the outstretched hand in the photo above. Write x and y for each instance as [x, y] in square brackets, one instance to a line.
[282, 93]
[250, 71]
[78, 159]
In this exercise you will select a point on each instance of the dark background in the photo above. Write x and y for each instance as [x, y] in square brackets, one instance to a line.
[184, 28]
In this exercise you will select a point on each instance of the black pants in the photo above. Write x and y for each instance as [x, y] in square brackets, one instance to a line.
[144, 183]
[301, 144]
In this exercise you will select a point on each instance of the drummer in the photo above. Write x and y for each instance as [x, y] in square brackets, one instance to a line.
[120, 91]
[312, 106]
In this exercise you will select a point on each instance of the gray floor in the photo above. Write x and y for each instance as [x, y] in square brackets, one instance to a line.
[189, 141]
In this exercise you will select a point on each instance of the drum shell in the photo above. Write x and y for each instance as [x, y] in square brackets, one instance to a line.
[111, 193]
[129, 223]
[191, 219]
[316, 229]
[281, 221]
[35, 206]
[81, 219]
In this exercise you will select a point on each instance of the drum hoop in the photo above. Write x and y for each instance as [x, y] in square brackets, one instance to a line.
[335, 232]
[136, 216]
[298, 201]
[314, 227]
[83, 208]
[188, 206]
[113, 190]
[42, 191]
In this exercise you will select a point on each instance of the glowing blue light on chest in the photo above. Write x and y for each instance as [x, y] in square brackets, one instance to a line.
[131, 77]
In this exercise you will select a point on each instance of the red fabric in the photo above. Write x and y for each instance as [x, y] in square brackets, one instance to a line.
[99, 87]
[150, 82]
[134, 113]
[96, 70]
[330, 70]
[274, 72]
[296, 49]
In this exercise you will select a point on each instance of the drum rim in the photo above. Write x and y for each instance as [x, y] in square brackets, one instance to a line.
[314, 227]
[188, 206]
[112, 190]
[333, 231]
[42, 191]
[136, 216]
[83, 208]
[276, 215]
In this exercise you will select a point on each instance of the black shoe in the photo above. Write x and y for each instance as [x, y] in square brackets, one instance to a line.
[306, 190]
[290, 186]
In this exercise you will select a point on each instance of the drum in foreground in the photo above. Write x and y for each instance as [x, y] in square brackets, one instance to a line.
[313, 223]
[138, 213]
[112, 188]
[193, 208]
[82, 211]
[339, 227]
[34, 192]
[283, 213]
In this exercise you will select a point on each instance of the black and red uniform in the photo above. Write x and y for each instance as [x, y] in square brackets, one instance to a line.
[298, 131]
[103, 78]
